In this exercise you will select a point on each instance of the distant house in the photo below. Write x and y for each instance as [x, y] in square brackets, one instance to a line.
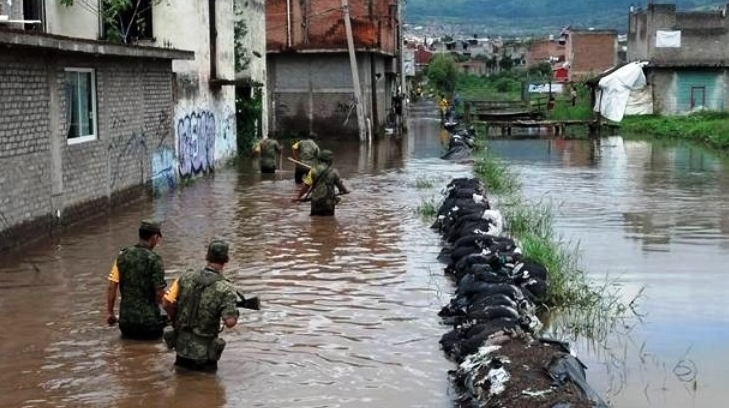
[310, 82]
[473, 67]
[422, 58]
[687, 56]
[545, 51]
[590, 51]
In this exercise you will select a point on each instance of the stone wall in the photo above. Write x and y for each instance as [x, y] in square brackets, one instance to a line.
[47, 182]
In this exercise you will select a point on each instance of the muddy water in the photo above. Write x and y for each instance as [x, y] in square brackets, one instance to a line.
[654, 217]
[349, 303]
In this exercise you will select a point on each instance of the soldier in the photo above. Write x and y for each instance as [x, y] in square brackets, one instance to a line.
[268, 149]
[138, 274]
[305, 151]
[196, 303]
[319, 186]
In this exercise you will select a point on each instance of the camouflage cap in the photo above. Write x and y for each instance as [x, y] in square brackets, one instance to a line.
[151, 226]
[326, 156]
[217, 251]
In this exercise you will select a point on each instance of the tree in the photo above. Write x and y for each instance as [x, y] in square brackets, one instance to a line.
[442, 72]
[119, 17]
[506, 62]
[541, 70]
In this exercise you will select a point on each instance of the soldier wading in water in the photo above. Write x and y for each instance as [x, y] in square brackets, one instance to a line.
[319, 186]
[196, 303]
[138, 274]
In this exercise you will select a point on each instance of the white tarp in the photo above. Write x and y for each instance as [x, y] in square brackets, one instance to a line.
[668, 39]
[640, 102]
[614, 90]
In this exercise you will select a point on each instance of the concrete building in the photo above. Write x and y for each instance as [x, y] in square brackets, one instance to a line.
[589, 52]
[687, 54]
[86, 124]
[252, 75]
[309, 74]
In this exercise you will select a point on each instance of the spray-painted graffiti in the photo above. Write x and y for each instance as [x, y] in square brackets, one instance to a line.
[226, 142]
[163, 169]
[120, 149]
[196, 143]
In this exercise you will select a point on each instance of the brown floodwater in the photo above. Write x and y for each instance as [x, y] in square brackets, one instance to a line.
[350, 303]
[651, 217]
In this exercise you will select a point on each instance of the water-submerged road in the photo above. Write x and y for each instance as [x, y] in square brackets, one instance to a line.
[350, 303]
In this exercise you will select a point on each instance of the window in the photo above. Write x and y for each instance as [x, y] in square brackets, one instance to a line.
[34, 10]
[80, 105]
[131, 23]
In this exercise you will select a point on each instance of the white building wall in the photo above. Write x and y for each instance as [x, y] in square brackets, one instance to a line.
[204, 122]
[254, 17]
[80, 20]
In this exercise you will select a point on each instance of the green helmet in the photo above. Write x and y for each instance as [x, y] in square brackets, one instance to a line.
[217, 251]
[151, 227]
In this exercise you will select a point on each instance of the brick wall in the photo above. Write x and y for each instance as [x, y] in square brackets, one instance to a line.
[320, 24]
[40, 174]
[591, 53]
[540, 52]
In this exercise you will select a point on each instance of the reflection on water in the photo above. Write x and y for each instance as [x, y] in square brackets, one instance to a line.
[652, 217]
[350, 303]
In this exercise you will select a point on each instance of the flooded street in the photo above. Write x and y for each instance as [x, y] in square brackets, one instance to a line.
[653, 217]
[349, 303]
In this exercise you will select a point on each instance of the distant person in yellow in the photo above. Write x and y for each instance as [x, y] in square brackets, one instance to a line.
[443, 107]
[305, 151]
[268, 149]
[139, 276]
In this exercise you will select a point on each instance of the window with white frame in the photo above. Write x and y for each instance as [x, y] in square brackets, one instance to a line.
[80, 105]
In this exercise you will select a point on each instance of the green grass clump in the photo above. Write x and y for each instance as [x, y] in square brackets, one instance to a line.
[707, 128]
[594, 308]
[428, 207]
[497, 178]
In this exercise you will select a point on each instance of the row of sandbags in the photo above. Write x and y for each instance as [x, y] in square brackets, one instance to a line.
[460, 142]
[502, 361]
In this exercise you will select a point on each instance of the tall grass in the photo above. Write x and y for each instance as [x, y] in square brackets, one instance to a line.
[708, 128]
[427, 208]
[495, 176]
[594, 308]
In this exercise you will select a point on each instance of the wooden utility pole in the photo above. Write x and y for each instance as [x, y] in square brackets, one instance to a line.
[404, 91]
[355, 73]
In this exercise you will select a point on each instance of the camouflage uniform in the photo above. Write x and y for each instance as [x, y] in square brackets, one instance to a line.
[324, 178]
[269, 148]
[205, 297]
[308, 151]
[141, 275]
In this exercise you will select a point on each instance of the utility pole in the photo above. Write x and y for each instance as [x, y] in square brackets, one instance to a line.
[404, 91]
[355, 73]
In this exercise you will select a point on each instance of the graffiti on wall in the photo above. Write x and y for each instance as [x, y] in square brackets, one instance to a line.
[196, 134]
[226, 143]
[135, 147]
[163, 169]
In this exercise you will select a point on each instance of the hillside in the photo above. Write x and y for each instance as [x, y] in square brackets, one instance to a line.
[532, 16]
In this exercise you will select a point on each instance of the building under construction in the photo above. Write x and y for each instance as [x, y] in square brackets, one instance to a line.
[311, 79]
